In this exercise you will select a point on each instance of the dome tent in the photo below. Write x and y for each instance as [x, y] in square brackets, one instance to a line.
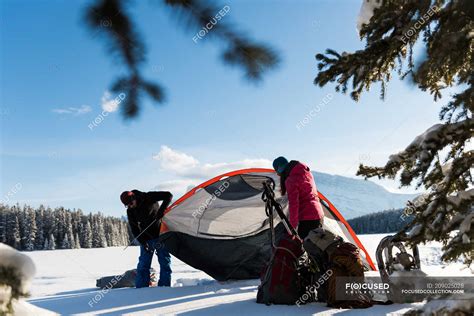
[221, 228]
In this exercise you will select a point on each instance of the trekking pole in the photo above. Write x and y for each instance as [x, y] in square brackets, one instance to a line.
[269, 212]
[268, 197]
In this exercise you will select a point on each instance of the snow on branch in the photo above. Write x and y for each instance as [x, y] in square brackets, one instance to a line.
[461, 197]
[417, 157]
[16, 272]
[366, 12]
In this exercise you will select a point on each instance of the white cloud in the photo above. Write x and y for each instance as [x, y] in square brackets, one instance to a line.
[172, 160]
[108, 103]
[83, 109]
[192, 171]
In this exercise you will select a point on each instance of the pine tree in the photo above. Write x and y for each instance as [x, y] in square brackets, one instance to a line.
[76, 221]
[39, 239]
[440, 159]
[98, 233]
[16, 242]
[77, 243]
[65, 243]
[123, 233]
[3, 223]
[51, 242]
[22, 222]
[48, 226]
[10, 226]
[59, 229]
[86, 236]
[30, 229]
[68, 238]
[46, 244]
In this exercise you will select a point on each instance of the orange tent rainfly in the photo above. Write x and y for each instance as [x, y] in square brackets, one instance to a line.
[221, 228]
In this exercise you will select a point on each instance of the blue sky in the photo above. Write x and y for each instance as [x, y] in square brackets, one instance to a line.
[54, 75]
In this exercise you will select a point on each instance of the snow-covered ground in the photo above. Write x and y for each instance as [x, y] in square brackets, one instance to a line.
[65, 283]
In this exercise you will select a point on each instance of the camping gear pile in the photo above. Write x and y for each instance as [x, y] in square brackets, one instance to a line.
[219, 227]
[300, 273]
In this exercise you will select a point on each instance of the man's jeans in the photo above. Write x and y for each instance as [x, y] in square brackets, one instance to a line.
[144, 264]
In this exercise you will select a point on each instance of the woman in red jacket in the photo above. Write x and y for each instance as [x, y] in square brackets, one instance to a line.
[296, 180]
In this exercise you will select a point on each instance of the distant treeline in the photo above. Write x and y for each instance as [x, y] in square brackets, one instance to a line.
[26, 228]
[381, 222]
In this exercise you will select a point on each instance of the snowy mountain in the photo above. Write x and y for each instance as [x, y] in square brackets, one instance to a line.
[357, 197]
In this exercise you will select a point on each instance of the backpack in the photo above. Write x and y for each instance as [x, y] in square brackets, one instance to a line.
[281, 281]
[319, 244]
[336, 258]
[346, 262]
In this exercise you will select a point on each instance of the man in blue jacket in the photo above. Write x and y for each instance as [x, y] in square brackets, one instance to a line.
[144, 216]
